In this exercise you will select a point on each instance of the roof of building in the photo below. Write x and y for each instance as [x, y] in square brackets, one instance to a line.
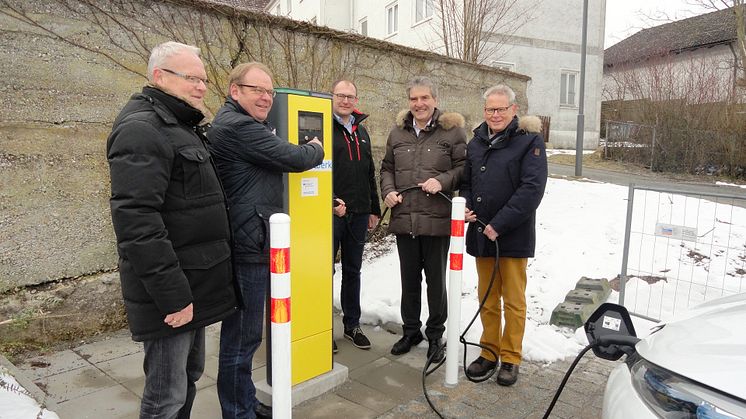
[243, 4]
[701, 31]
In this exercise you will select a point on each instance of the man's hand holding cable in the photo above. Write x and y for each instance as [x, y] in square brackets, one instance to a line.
[392, 199]
[469, 216]
[490, 232]
[431, 186]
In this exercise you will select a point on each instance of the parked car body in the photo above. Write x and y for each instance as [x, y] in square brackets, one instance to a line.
[693, 367]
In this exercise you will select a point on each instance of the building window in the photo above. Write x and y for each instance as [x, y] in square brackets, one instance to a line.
[423, 9]
[502, 65]
[364, 26]
[568, 87]
[392, 18]
[277, 10]
[290, 6]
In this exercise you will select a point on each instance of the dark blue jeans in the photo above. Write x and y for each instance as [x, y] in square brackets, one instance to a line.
[349, 233]
[172, 365]
[240, 336]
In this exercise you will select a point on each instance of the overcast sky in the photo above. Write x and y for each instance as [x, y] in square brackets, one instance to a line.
[625, 17]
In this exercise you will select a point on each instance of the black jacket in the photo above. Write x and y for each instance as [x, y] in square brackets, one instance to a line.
[504, 182]
[354, 171]
[169, 217]
[251, 161]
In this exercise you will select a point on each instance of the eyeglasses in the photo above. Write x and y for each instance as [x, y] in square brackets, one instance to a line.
[501, 111]
[258, 90]
[341, 97]
[187, 77]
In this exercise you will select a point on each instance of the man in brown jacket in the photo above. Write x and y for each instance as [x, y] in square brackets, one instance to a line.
[426, 150]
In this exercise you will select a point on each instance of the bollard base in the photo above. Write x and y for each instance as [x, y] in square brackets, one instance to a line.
[308, 389]
[450, 385]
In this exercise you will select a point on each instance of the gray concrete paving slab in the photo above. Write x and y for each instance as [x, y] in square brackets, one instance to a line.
[398, 381]
[75, 383]
[51, 364]
[363, 395]
[125, 368]
[332, 405]
[103, 350]
[112, 402]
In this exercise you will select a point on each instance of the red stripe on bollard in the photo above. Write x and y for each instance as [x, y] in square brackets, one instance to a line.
[457, 228]
[457, 261]
[279, 261]
[280, 309]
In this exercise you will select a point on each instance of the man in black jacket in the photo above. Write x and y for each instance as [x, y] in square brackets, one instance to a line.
[171, 223]
[251, 161]
[504, 180]
[357, 207]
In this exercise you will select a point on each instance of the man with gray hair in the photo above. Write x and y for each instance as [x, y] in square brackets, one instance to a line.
[425, 154]
[504, 180]
[171, 224]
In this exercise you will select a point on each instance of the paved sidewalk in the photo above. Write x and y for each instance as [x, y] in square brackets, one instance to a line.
[104, 379]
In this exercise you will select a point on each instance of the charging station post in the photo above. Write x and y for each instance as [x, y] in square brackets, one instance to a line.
[455, 273]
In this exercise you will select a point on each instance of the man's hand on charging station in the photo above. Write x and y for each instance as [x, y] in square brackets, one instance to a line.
[392, 199]
[316, 141]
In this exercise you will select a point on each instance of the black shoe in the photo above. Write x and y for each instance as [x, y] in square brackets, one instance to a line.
[358, 338]
[262, 411]
[508, 374]
[480, 368]
[334, 347]
[435, 351]
[405, 344]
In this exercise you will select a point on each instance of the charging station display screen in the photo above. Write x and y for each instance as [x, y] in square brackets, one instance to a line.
[310, 125]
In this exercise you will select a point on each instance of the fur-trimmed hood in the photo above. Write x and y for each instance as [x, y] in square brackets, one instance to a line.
[447, 120]
[530, 123]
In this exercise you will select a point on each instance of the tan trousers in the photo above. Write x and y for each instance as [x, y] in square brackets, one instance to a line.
[510, 287]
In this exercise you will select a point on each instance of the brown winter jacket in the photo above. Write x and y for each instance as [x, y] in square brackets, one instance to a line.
[439, 152]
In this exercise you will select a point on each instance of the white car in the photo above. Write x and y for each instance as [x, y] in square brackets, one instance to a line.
[693, 367]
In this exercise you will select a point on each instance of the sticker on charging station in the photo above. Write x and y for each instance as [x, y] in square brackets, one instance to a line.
[325, 166]
[309, 186]
[612, 323]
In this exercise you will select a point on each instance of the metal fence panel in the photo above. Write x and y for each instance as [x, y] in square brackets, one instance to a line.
[681, 249]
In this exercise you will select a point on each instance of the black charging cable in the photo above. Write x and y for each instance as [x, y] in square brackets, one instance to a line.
[462, 338]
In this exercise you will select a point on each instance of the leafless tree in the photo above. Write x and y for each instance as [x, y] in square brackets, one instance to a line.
[475, 30]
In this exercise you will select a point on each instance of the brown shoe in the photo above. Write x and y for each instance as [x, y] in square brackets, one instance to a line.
[480, 368]
[508, 374]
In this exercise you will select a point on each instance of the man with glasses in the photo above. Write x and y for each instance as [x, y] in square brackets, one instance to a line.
[504, 180]
[357, 207]
[172, 229]
[425, 150]
[251, 161]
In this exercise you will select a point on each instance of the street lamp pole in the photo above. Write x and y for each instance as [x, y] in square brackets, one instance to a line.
[581, 117]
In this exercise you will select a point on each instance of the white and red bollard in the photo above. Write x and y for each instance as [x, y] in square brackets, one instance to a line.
[279, 268]
[458, 206]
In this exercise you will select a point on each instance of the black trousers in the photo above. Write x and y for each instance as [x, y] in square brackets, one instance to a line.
[416, 254]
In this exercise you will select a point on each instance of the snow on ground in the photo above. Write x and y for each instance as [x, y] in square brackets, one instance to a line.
[730, 184]
[580, 232]
[17, 403]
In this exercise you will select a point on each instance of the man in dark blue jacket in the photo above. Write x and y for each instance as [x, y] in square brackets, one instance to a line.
[251, 161]
[172, 230]
[357, 206]
[504, 180]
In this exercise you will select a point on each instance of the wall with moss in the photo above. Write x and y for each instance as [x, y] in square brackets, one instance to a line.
[68, 66]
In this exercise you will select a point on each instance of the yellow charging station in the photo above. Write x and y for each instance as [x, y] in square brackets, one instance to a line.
[299, 116]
